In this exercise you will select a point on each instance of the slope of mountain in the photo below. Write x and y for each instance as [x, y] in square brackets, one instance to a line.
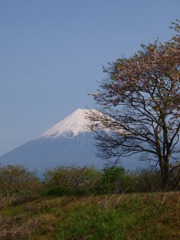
[69, 142]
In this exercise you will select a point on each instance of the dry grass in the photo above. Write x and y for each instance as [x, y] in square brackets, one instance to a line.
[125, 216]
[15, 232]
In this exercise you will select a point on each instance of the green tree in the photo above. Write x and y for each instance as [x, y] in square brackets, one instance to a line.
[115, 179]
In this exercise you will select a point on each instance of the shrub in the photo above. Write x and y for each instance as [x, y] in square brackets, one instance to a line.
[75, 179]
[115, 179]
[147, 180]
[61, 191]
[17, 179]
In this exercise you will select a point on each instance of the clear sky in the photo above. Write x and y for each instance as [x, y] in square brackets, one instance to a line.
[52, 52]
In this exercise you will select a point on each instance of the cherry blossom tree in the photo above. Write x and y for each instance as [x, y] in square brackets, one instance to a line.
[140, 102]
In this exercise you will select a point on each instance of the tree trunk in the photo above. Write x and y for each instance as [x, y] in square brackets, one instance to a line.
[165, 177]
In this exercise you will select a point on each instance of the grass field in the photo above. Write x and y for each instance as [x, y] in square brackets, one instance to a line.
[125, 216]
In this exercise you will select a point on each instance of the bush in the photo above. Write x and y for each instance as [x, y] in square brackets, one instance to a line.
[115, 179]
[17, 179]
[147, 180]
[174, 177]
[73, 179]
[60, 191]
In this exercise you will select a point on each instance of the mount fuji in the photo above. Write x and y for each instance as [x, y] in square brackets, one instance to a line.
[69, 142]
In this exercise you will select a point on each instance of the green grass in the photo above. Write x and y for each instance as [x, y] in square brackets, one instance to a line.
[116, 217]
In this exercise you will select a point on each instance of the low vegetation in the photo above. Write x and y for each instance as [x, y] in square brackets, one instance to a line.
[85, 203]
[114, 216]
[18, 179]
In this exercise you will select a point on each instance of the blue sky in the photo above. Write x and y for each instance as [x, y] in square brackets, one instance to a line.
[52, 52]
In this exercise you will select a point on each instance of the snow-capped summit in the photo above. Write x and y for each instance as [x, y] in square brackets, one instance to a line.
[69, 142]
[72, 125]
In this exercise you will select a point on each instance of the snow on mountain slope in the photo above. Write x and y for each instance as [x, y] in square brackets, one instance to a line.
[72, 125]
[69, 142]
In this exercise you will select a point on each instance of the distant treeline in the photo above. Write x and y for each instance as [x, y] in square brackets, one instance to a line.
[73, 180]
